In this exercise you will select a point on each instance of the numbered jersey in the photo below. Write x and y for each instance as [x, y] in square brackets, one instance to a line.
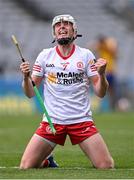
[66, 84]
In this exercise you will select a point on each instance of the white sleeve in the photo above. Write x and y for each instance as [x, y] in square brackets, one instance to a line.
[38, 65]
[90, 68]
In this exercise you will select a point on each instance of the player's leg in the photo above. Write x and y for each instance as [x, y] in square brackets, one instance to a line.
[39, 147]
[36, 151]
[96, 150]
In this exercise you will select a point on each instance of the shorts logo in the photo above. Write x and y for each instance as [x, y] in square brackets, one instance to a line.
[86, 129]
[48, 129]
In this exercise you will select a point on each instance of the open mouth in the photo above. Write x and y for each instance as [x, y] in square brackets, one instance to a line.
[62, 33]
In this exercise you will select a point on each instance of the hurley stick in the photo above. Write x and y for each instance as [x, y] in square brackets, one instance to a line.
[35, 88]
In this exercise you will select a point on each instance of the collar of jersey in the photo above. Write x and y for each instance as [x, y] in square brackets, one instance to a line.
[65, 57]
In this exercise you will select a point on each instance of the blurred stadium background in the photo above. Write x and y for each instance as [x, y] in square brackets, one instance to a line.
[30, 21]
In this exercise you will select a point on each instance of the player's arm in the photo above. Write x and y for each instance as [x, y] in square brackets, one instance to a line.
[26, 83]
[99, 81]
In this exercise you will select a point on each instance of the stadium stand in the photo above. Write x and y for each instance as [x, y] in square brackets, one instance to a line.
[123, 9]
[93, 19]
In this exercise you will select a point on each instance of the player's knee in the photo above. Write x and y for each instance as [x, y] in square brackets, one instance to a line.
[25, 164]
[107, 164]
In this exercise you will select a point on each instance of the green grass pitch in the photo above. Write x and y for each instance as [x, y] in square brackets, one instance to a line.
[117, 130]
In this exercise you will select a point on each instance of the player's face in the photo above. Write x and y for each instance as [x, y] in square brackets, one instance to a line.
[63, 29]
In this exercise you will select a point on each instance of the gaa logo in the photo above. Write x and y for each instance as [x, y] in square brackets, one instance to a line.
[50, 65]
[80, 65]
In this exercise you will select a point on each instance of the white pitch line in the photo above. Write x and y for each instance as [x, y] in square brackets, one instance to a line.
[69, 168]
[12, 167]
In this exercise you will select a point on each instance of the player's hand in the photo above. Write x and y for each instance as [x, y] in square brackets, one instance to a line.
[101, 65]
[25, 68]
